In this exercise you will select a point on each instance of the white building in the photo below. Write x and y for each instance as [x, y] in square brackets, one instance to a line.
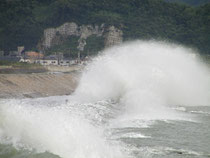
[67, 62]
[47, 62]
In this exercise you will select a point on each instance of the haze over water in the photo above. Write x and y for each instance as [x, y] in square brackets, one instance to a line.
[140, 99]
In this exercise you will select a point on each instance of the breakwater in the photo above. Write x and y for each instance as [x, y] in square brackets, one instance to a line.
[37, 85]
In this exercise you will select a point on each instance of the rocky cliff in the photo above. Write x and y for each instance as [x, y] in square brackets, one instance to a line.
[56, 36]
[113, 36]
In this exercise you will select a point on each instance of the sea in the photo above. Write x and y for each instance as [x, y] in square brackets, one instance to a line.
[140, 99]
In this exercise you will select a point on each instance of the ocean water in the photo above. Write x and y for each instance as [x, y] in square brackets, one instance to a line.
[143, 99]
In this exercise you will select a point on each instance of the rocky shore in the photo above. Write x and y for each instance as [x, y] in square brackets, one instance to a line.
[39, 84]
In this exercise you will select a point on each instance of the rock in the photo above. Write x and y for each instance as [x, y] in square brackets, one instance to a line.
[113, 36]
[68, 29]
[55, 36]
[49, 35]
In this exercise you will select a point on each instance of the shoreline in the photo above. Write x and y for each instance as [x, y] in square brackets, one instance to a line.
[56, 81]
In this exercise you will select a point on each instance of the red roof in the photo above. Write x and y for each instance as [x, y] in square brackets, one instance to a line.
[34, 54]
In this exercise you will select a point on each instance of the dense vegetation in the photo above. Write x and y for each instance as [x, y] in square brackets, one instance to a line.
[190, 2]
[94, 44]
[22, 21]
[68, 47]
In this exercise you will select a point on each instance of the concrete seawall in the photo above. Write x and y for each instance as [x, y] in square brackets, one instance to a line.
[37, 85]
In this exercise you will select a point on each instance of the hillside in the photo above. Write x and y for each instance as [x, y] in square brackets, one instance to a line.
[190, 2]
[22, 22]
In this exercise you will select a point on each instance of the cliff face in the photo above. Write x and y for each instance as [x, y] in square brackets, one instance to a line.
[113, 36]
[56, 36]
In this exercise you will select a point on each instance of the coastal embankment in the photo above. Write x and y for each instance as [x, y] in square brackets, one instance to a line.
[57, 81]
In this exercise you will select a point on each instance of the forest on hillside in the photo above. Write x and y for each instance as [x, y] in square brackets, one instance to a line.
[190, 2]
[22, 22]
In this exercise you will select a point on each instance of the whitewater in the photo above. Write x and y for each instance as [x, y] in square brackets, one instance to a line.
[146, 99]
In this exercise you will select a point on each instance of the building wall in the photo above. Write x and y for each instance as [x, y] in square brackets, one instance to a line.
[47, 62]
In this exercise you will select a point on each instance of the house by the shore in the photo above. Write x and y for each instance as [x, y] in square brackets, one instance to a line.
[33, 57]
